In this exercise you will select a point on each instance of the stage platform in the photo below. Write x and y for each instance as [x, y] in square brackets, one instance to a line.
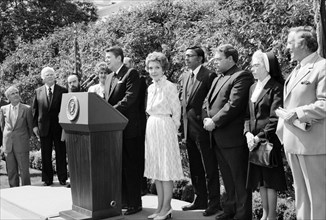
[45, 202]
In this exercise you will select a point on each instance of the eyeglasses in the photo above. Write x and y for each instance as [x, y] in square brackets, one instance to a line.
[190, 55]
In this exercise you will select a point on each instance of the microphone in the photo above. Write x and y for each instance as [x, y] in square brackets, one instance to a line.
[92, 82]
[91, 77]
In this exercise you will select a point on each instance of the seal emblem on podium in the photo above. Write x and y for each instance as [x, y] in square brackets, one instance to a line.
[72, 108]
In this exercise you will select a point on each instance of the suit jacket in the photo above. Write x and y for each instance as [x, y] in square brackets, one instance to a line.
[192, 105]
[125, 97]
[307, 96]
[262, 120]
[17, 135]
[45, 114]
[2, 103]
[226, 105]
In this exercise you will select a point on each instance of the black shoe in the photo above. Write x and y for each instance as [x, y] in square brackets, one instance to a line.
[68, 185]
[47, 183]
[133, 210]
[193, 206]
[212, 211]
[224, 216]
[62, 182]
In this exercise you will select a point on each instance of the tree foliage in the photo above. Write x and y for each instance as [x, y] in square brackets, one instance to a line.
[169, 26]
[24, 21]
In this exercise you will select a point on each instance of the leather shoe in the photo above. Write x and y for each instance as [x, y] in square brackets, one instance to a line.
[224, 216]
[212, 211]
[193, 206]
[62, 182]
[133, 210]
[47, 183]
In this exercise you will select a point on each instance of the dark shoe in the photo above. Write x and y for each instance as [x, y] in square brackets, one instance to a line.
[133, 210]
[47, 183]
[224, 216]
[68, 185]
[62, 182]
[212, 211]
[193, 206]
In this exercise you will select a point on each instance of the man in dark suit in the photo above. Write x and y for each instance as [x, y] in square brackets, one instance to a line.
[46, 108]
[122, 91]
[17, 125]
[224, 117]
[202, 159]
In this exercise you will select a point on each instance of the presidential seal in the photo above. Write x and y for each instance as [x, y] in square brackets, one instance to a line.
[72, 109]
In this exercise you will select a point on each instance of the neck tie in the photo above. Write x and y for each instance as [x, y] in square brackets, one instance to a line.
[190, 83]
[14, 114]
[50, 95]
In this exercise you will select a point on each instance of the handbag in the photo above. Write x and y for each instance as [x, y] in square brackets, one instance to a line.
[263, 155]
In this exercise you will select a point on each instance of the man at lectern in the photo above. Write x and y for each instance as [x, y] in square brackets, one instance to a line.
[122, 91]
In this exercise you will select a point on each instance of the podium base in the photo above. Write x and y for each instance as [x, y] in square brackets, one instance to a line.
[74, 215]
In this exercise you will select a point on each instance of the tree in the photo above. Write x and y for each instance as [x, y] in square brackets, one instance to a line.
[25, 21]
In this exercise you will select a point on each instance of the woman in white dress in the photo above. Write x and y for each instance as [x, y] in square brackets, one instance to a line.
[162, 153]
[102, 71]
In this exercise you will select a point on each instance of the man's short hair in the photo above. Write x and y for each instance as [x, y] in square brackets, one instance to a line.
[116, 50]
[9, 90]
[308, 34]
[229, 50]
[45, 70]
[199, 52]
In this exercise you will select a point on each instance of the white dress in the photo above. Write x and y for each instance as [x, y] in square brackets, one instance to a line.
[162, 153]
[98, 89]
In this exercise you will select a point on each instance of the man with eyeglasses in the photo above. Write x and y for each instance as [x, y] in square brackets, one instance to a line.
[203, 164]
[224, 117]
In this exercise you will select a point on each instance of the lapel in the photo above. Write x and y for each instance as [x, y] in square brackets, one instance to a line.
[185, 86]
[116, 79]
[266, 88]
[44, 97]
[301, 74]
[8, 118]
[197, 82]
[222, 80]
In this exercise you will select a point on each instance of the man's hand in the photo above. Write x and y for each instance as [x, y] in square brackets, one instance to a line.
[290, 117]
[252, 141]
[37, 133]
[209, 124]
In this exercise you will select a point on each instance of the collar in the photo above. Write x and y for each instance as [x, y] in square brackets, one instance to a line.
[264, 82]
[307, 59]
[116, 73]
[195, 71]
[12, 106]
[47, 88]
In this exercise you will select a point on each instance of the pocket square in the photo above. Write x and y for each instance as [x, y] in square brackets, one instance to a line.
[306, 82]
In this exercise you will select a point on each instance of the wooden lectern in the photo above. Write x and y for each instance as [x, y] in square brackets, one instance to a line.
[93, 134]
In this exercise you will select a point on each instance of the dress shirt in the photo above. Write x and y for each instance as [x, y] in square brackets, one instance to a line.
[14, 113]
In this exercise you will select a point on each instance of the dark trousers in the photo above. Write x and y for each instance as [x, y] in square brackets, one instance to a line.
[233, 163]
[132, 171]
[204, 171]
[47, 142]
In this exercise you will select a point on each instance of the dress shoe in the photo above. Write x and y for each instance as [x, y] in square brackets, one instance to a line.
[224, 216]
[47, 183]
[167, 215]
[133, 210]
[62, 182]
[212, 211]
[152, 216]
[193, 206]
[68, 185]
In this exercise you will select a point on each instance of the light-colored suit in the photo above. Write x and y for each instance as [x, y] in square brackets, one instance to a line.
[16, 142]
[306, 150]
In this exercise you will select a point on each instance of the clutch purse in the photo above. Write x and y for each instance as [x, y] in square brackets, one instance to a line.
[263, 155]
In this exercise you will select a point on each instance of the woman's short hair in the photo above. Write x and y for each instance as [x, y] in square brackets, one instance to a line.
[102, 67]
[157, 57]
[308, 34]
